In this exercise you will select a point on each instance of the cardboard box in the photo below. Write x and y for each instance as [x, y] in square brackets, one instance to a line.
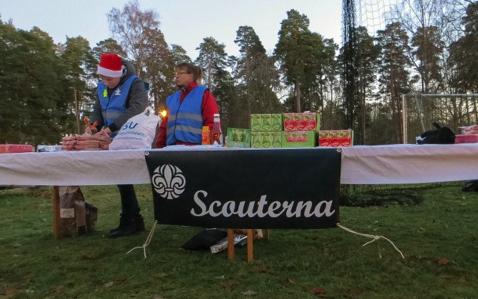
[298, 139]
[466, 138]
[238, 137]
[266, 122]
[16, 148]
[266, 139]
[307, 121]
[335, 138]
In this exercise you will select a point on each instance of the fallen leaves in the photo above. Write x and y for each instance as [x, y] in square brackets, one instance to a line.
[318, 291]
[249, 293]
[443, 261]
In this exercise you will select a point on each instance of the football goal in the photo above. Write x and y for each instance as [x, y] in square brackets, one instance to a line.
[420, 111]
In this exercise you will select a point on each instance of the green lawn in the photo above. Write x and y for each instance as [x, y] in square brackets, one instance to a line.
[439, 237]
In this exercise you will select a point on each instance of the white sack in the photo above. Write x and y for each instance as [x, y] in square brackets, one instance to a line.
[137, 133]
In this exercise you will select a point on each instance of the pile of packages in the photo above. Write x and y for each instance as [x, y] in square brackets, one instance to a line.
[285, 130]
[300, 129]
[336, 138]
[84, 142]
[468, 134]
[15, 148]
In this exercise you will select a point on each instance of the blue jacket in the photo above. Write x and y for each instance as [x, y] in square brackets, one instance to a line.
[185, 119]
[114, 105]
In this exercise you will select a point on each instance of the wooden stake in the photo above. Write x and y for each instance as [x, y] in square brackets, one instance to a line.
[56, 212]
[250, 245]
[230, 244]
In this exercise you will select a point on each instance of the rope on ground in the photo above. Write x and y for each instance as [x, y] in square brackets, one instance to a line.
[373, 237]
[147, 241]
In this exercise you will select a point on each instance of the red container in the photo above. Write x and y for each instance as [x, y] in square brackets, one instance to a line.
[335, 141]
[468, 138]
[15, 148]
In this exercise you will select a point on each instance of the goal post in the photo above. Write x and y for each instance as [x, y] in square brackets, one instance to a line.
[419, 111]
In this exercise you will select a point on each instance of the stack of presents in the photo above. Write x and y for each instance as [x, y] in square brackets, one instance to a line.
[467, 134]
[287, 130]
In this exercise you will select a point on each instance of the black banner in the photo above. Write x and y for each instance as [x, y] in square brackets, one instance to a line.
[276, 188]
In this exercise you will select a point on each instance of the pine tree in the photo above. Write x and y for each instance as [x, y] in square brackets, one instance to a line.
[394, 74]
[257, 77]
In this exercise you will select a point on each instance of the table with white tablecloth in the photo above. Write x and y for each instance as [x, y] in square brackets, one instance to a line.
[382, 164]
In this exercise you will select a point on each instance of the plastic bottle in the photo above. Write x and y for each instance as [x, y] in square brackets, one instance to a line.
[216, 134]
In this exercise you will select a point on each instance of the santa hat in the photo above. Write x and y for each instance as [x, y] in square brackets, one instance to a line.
[110, 65]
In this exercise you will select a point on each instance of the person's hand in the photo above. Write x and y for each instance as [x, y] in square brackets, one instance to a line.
[90, 130]
[106, 131]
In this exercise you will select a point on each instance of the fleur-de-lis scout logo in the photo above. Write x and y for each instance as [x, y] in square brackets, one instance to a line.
[168, 181]
[117, 92]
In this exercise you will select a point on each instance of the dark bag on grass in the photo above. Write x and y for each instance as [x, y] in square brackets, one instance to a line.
[77, 217]
[439, 135]
[205, 239]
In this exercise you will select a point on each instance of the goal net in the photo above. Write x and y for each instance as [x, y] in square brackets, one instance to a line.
[420, 111]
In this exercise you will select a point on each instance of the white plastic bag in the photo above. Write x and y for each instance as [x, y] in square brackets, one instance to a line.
[137, 133]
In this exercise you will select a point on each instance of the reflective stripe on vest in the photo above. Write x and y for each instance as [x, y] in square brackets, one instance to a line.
[185, 118]
[115, 105]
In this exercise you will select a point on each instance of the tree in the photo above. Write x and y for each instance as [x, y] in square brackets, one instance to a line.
[358, 59]
[32, 108]
[80, 69]
[434, 26]
[142, 40]
[212, 59]
[179, 55]
[108, 45]
[332, 116]
[394, 76]
[302, 55]
[257, 77]
[464, 57]
[428, 49]
[215, 64]
[364, 62]
[290, 53]
[159, 69]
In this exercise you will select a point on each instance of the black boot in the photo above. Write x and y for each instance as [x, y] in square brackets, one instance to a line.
[128, 226]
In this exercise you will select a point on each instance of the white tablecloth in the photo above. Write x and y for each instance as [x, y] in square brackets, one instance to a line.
[385, 164]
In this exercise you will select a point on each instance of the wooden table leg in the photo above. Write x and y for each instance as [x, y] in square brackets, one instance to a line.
[230, 244]
[250, 245]
[56, 212]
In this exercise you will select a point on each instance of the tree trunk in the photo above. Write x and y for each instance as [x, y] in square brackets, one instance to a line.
[77, 112]
[297, 97]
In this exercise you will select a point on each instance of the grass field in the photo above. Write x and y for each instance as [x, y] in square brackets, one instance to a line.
[439, 237]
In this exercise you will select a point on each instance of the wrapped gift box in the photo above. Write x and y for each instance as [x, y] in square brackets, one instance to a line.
[335, 138]
[238, 137]
[466, 138]
[266, 122]
[16, 148]
[266, 139]
[298, 139]
[307, 121]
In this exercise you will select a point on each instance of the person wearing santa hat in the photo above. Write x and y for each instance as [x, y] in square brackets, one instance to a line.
[119, 96]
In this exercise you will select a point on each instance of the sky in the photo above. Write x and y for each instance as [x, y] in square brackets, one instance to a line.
[185, 23]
